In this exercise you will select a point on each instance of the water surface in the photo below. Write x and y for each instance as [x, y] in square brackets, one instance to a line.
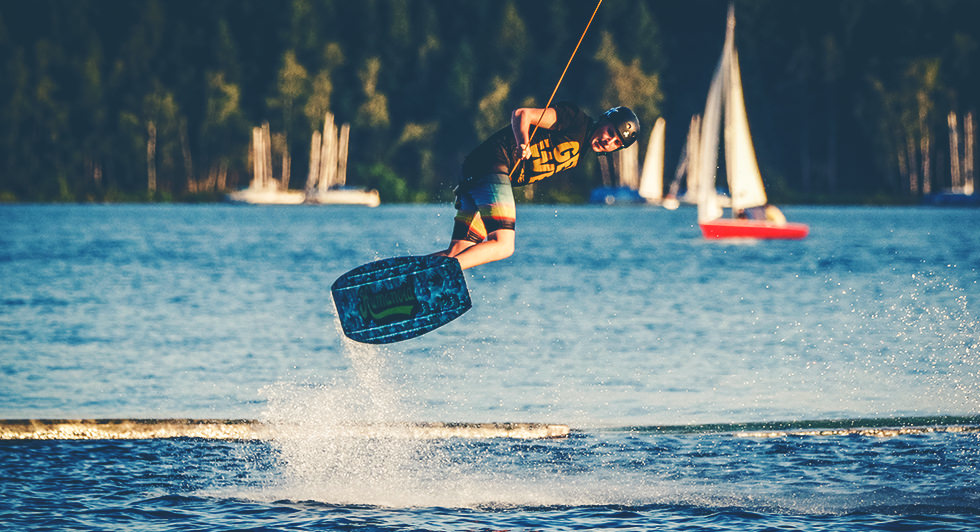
[615, 321]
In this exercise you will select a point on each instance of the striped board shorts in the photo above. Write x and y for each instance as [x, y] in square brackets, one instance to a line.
[483, 206]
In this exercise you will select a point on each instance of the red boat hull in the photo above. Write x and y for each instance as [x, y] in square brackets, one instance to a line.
[718, 229]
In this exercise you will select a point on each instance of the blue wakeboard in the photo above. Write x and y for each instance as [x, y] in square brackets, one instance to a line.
[395, 299]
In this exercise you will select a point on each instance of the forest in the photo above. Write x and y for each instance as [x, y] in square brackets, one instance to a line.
[849, 101]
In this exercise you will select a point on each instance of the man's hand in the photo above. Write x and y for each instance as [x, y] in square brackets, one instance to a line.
[521, 121]
[523, 152]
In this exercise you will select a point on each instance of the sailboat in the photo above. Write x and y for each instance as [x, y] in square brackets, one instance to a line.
[745, 186]
[326, 183]
[685, 176]
[651, 186]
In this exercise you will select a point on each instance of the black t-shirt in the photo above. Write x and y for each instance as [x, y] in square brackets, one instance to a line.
[552, 150]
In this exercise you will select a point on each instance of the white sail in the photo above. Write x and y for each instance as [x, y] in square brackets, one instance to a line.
[688, 164]
[328, 154]
[744, 178]
[652, 178]
[707, 154]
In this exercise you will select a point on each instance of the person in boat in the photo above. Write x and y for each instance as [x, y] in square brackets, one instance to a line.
[774, 215]
[484, 225]
[767, 212]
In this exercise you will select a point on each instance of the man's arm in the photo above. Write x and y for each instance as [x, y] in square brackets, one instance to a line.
[521, 121]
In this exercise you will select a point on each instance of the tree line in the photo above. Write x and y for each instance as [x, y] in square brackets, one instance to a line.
[155, 100]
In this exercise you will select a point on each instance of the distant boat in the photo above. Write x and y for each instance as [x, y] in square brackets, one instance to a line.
[683, 188]
[345, 195]
[961, 192]
[342, 195]
[675, 197]
[621, 195]
[952, 199]
[326, 183]
[264, 188]
[270, 195]
[745, 186]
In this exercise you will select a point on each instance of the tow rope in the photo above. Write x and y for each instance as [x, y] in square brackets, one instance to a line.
[560, 79]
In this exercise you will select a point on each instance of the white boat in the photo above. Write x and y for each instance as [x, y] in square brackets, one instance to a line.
[344, 195]
[271, 195]
[327, 180]
[334, 196]
[746, 190]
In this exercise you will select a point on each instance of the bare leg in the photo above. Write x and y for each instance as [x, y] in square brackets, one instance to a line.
[458, 246]
[498, 245]
[497, 200]
[455, 248]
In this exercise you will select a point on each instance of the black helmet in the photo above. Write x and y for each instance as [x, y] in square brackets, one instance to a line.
[626, 123]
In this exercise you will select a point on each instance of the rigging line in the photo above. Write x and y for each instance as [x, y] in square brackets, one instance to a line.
[560, 79]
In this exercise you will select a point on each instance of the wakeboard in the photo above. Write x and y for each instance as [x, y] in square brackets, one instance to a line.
[395, 299]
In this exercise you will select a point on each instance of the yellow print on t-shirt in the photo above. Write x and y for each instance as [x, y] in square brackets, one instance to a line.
[546, 162]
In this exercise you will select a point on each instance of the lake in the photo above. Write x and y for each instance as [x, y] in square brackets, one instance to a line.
[692, 373]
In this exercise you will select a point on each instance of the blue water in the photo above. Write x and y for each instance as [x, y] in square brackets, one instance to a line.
[620, 322]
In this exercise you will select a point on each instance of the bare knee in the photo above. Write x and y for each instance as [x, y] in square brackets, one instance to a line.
[505, 249]
[457, 247]
[503, 242]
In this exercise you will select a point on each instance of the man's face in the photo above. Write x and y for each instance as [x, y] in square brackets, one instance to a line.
[606, 139]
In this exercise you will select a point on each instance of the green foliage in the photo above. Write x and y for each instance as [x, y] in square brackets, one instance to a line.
[390, 187]
[836, 90]
[373, 113]
[293, 86]
[628, 84]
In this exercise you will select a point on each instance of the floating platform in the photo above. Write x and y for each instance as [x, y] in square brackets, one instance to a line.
[243, 429]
